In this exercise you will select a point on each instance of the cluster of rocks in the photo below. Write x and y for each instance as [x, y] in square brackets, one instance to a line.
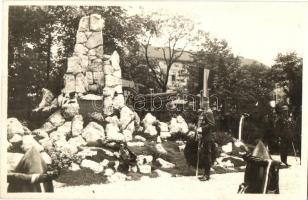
[175, 126]
[93, 76]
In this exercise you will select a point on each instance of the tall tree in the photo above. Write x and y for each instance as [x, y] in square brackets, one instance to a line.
[216, 55]
[288, 73]
[173, 34]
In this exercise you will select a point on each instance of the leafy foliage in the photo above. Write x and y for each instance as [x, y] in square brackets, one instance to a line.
[288, 73]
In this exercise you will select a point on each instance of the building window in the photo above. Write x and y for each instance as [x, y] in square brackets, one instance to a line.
[173, 78]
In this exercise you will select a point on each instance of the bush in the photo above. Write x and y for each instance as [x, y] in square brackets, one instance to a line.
[61, 160]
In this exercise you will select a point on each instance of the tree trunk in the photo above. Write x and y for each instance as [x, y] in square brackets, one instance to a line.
[48, 67]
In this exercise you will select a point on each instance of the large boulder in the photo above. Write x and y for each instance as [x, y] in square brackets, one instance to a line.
[28, 142]
[93, 133]
[65, 129]
[86, 153]
[117, 177]
[81, 37]
[145, 169]
[46, 143]
[14, 127]
[164, 164]
[128, 135]
[127, 119]
[227, 148]
[70, 108]
[108, 172]
[56, 136]
[95, 40]
[162, 174]
[118, 101]
[112, 81]
[113, 133]
[48, 127]
[139, 138]
[16, 140]
[150, 130]
[66, 148]
[94, 166]
[96, 23]
[135, 144]
[74, 167]
[149, 119]
[84, 24]
[74, 65]
[178, 125]
[77, 125]
[77, 141]
[81, 83]
[160, 149]
[56, 119]
[80, 49]
[69, 83]
[115, 61]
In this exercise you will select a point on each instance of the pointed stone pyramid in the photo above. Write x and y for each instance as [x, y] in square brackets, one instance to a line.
[260, 151]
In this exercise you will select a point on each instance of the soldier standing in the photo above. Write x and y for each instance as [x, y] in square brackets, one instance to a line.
[284, 131]
[208, 137]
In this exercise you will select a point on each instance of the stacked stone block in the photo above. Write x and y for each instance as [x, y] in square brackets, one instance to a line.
[89, 70]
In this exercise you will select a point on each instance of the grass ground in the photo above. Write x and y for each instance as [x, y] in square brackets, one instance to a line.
[174, 155]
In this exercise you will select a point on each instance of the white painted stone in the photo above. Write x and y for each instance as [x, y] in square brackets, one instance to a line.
[100, 52]
[93, 132]
[112, 81]
[165, 164]
[77, 141]
[95, 40]
[108, 69]
[80, 49]
[77, 125]
[84, 24]
[81, 83]
[96, 22]
[14, 127]
[81, 37]
[56, 119]
[140, 138]
[227, 148]
[74, 167]
[28, 142]
[69, 83]
[115, 60]
[94, 166]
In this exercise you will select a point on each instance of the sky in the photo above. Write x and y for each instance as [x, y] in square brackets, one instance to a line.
[253, 30]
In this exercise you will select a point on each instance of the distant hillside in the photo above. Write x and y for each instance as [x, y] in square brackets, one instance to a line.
[249, 61]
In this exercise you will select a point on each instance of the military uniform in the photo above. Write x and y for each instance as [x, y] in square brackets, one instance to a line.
[284, 128]
[208, 146]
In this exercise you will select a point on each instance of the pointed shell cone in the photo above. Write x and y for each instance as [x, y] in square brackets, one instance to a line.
[260, 151]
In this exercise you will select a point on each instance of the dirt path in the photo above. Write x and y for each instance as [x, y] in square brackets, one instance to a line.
[184, 187]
